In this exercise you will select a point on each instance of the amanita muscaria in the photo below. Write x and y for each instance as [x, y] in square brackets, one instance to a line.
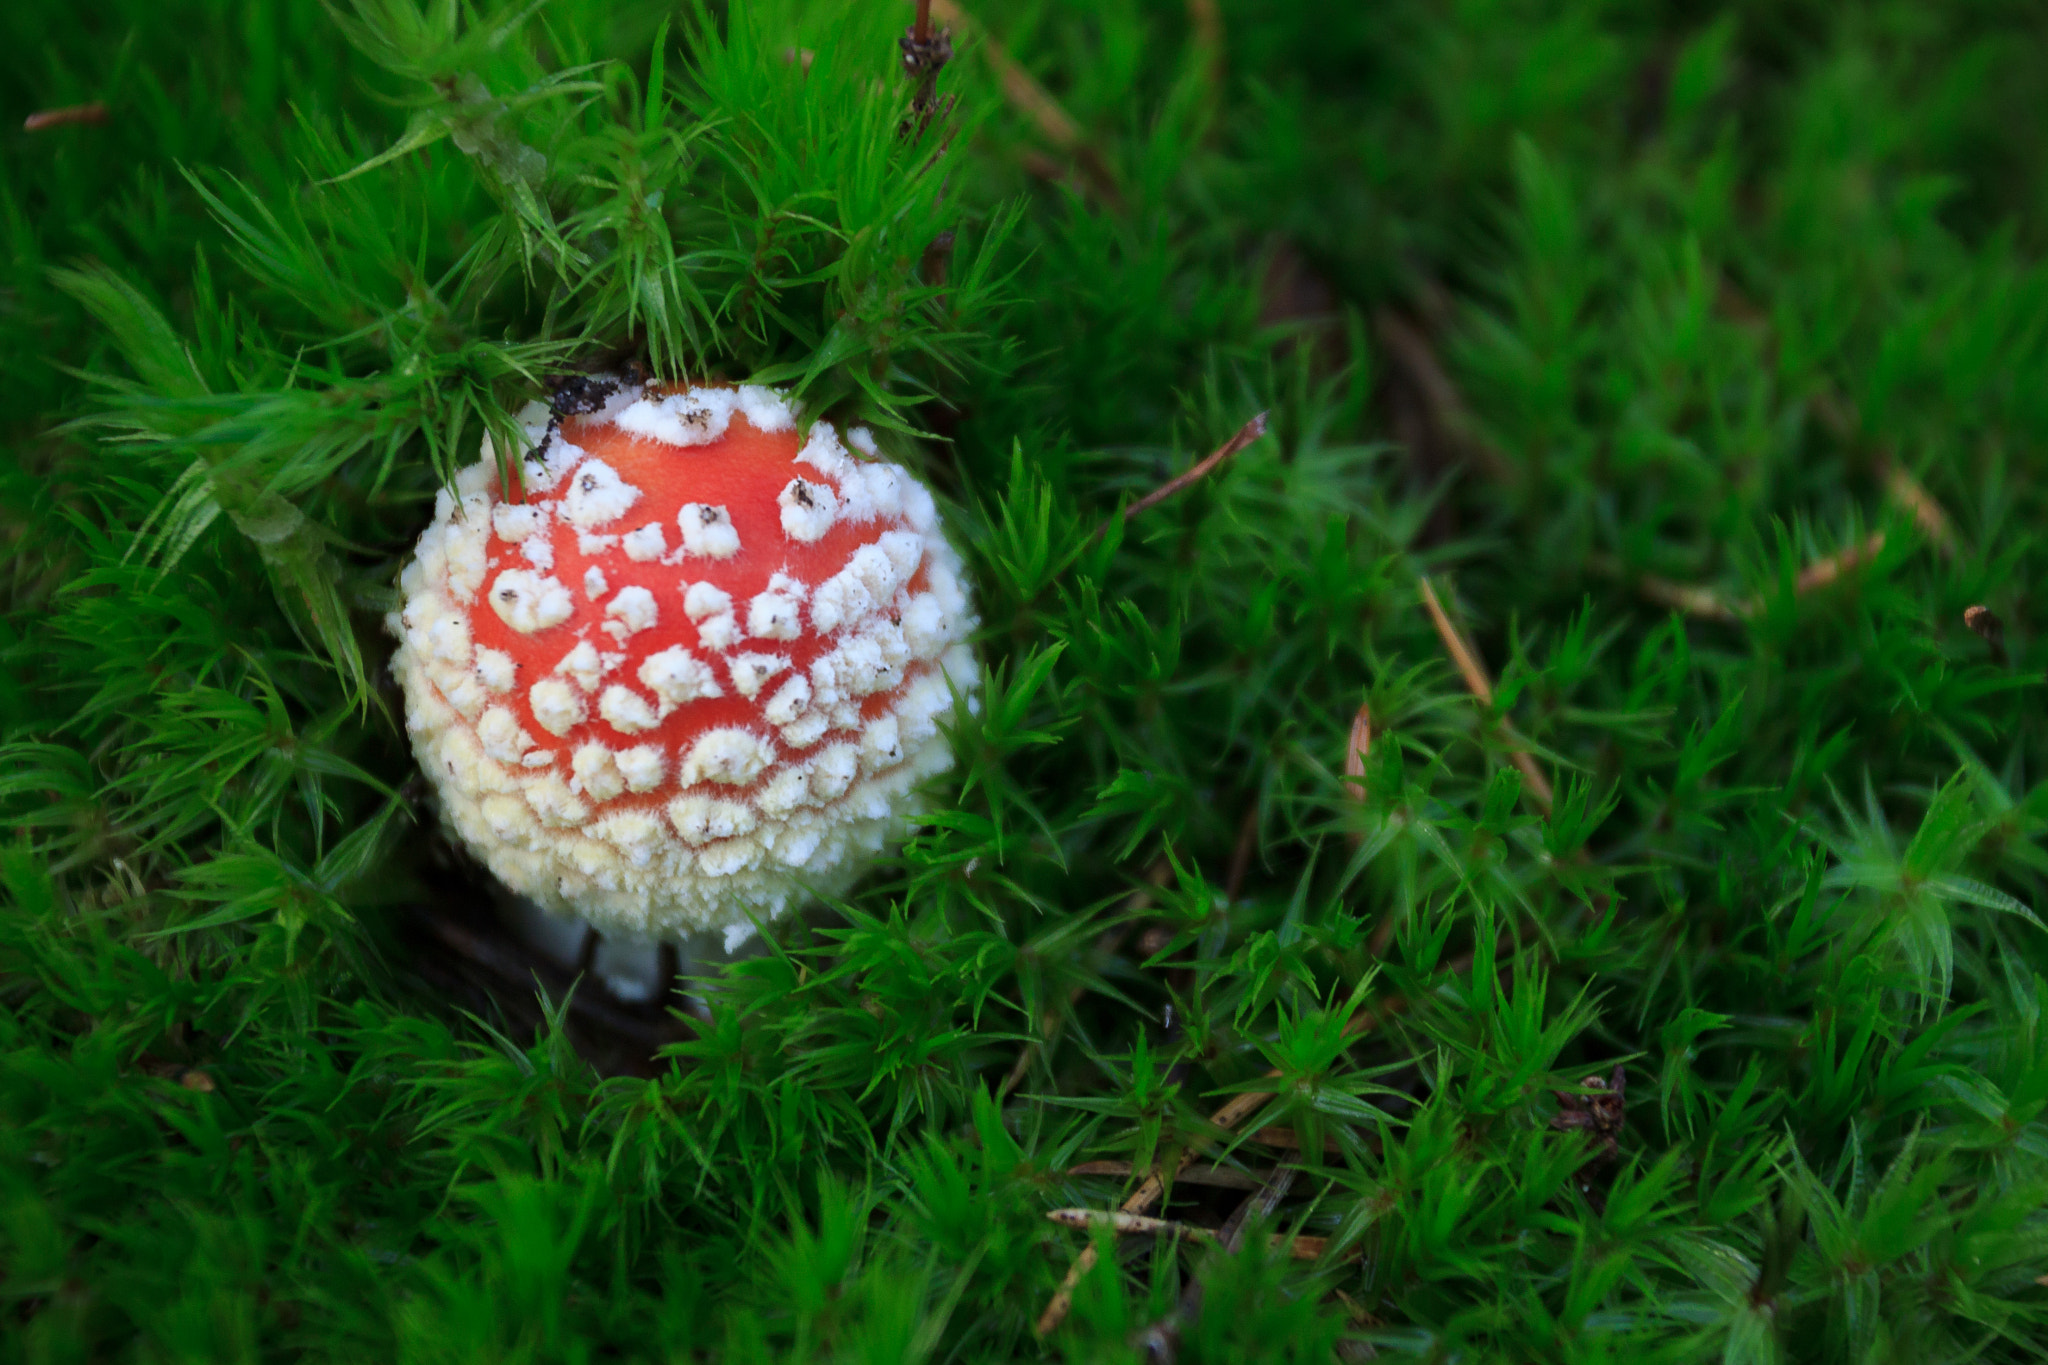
[693, 670]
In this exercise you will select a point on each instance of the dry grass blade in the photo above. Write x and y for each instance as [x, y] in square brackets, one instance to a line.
[1357, 748]
[1246, 434]
[1476, 681]
[1132, 1224]
[1711, 605]
[95, 113]
[1692, 600]
[1217, 1177]
[1822, 572]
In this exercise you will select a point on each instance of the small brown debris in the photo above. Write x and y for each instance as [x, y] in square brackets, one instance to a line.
[1466, 660]
[1988, 628]
[197, 1080]
[1598, 1115]
[94, 113]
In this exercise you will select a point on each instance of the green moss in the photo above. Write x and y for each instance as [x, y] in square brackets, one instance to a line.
[1613, 321]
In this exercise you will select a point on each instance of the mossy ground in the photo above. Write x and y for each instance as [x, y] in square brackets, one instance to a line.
[1694, 359]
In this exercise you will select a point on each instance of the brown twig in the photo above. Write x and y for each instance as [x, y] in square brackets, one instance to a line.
[1357, 748]
[1481, 687]
[1219, 1177]
[925, 52]
[1036, 103]
[1225, 1119]
[1246, 434]
[1826, 570]
[94, 113]
[1693, 601]
[1711, 605]
[1301, 1248]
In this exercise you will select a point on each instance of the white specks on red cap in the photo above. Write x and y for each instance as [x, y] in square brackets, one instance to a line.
[626, 710]
[707, 530]
[557, 707]
[700, 819]
[695, 418]
[817, 726]
[678, 677]
[726, 755]
[517, 521]
[502, 736]
[785, 792]
[775, 616]
[720, 632]
[765, 408]
[924, 626]
[597, 771]
[750, 672]
[822, 452]
[643, 766]
[463, 691]
[631, 612]
[881, 746]
[597, 496]
[833, 771]
[528, 602]
[448, 639]
[586, 665]
[549, 798]
[808, 509]
[634, 833]
[806, 729]
[729, 857]
[711, 608]
[790, 701]
[705, 599]
[645, 544]
[496, 669]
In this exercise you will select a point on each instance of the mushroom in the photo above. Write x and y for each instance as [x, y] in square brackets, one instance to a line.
[692, 672]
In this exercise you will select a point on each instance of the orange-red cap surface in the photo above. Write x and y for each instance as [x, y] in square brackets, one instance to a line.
[697, 669]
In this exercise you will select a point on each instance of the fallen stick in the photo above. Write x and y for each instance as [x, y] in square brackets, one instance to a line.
[1481, 687]
[1301, 1248]
[1246, 434]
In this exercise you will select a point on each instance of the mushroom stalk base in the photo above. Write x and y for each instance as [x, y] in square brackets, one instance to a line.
[635, 969]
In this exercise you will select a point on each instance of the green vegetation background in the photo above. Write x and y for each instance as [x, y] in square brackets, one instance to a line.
[1614, 319]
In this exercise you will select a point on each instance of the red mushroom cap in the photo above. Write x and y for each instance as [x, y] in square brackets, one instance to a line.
[700, 667]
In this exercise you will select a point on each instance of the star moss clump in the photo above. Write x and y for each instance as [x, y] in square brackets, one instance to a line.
[1538, 851]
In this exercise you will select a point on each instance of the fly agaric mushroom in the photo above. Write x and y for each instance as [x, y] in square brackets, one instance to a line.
[693, 670]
